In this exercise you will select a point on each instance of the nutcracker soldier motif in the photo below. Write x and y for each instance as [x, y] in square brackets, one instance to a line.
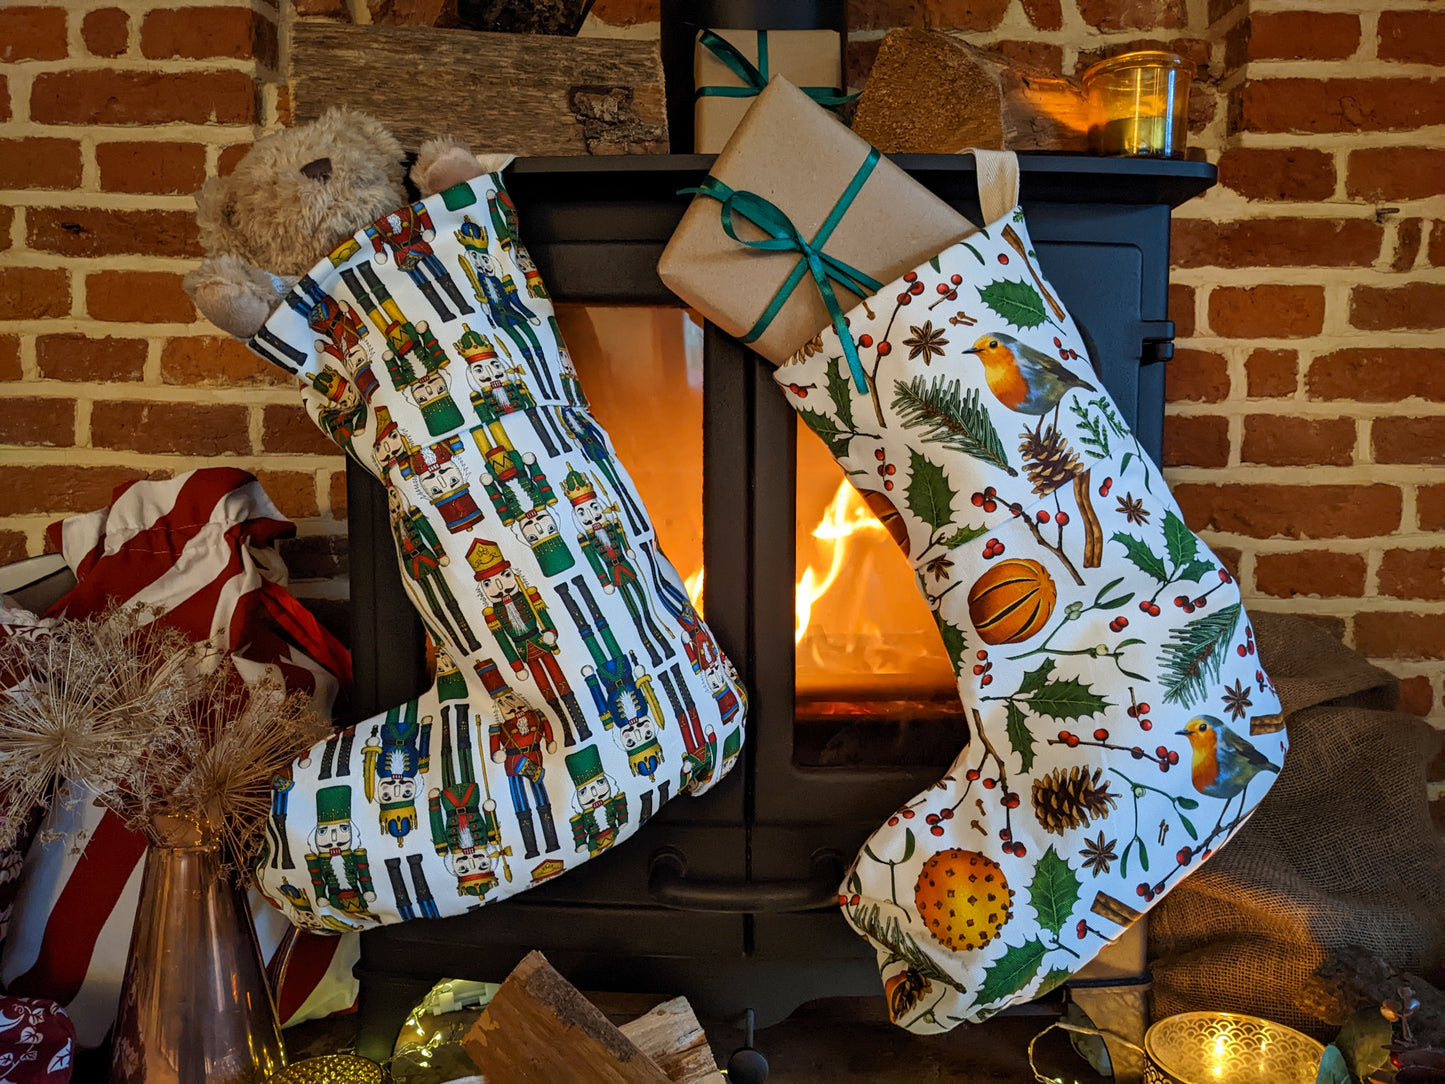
[464, 828]
[392, 758]
[340, 411]
[440, 475]
[510, 479]
[422, 560]
[571, 382]
[518, 619]
[516, 739]
[583, 432]
[282, 783]
[496, 290]
[432, 395]
[389, 445]
[340, 873]
[450, 684]
[498, 389]
[605, 545]
[406, 342]
[601, 809]
[405, 233]
[426, 904]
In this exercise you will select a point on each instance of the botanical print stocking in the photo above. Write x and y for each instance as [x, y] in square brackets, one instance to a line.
[1122, 726]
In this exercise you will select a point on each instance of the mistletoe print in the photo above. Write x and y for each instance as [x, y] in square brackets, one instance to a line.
[1122, 727]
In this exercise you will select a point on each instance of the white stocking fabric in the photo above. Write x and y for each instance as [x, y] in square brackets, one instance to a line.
[1123, 727]
[577, 689]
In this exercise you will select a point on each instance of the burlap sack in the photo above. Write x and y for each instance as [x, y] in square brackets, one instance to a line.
[1341, 852]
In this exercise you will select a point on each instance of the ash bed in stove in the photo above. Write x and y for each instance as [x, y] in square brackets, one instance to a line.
[729, 898]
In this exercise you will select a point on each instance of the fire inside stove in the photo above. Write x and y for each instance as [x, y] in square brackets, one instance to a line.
[873, 682]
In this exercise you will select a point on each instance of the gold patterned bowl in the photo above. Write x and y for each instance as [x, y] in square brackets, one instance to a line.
[330, 1069]
[1227, 1048]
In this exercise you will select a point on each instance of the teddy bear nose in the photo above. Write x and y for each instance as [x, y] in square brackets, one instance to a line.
[318, 170]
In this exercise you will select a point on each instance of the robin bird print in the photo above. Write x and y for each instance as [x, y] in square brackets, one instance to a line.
[1223, 762]
[1023, 379]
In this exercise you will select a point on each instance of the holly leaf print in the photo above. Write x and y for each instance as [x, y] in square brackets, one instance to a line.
[1034, 680]
[933, 263]
[1194, 570]
[930, 497]
[1012, 971]
[1017, 302]
[1054, 891]
[833, 435]
[1070, 699]
[954, 641]
[840, 390]
[1145, 559]
[1180, 541]
[1020, 737]
[1053, 980]
[962, 535]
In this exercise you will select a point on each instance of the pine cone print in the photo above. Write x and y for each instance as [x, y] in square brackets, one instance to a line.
[1065, 800]
[1048, 459]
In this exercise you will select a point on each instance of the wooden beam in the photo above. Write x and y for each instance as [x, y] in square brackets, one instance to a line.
[522, 94]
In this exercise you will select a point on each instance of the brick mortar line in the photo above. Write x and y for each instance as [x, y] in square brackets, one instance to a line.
[1346, 605]
[1266, 474]
[1350, 68]
[1419, 540]
[1363, 411]
[218, 134]
[123, 458]
[1402, 137]
[1230, 207]
[184, 394]
[168, 65]
[1305, 275]
[86, 199]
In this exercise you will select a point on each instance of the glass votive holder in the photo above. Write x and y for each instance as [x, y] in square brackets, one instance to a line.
[1228, 1048]
[1139, 104]
[330, 1069]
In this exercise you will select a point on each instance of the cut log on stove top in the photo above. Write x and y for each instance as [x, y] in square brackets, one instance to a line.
[539, 1027]
[524, 94]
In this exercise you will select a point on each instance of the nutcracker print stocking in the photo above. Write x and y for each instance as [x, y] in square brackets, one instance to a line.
[425, 347]
[1122, 727]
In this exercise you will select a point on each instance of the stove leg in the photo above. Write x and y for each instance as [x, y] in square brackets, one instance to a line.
[747, 1066]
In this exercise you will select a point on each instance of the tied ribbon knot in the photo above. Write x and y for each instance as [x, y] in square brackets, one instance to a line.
[783, 236]
[755, 77]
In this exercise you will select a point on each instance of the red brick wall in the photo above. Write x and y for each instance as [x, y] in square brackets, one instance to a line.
[110, 118]
[1306, 431]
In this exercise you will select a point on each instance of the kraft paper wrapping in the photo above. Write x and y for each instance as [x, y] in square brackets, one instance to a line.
[806, 58]
[793, 152]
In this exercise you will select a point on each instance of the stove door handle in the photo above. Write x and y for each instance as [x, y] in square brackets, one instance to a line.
[669, 884]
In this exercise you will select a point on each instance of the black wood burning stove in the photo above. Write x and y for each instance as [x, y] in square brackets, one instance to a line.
[728, 898]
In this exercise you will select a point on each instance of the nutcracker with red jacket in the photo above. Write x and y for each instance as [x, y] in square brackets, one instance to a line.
[393, 757]
[468, 560]
[441, 475]
[338, 407]
[423, 563]
[518, 620]
[403, 235]
[605, 545]
[340, 872]
[464, 828]
[517, 737]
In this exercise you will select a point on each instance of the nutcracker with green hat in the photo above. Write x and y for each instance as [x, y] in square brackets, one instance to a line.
[392, 758]
[337, 406]
[450, 684]
[601, 808]
[340, 873]
[522, 496]
[464, 827]
[605, 545]
[432, 395]
[498, 389]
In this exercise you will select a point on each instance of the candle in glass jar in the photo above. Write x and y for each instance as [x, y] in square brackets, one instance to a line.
[1139, 104]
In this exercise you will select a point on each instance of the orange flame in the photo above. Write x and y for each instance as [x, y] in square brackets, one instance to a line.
[845, 516]
[693, 584]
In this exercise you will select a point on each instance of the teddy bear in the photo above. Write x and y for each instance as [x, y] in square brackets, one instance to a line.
[575, 680]
[297, 194]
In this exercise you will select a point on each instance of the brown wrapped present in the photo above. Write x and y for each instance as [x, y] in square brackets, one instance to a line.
[731, 68]
[794, 158]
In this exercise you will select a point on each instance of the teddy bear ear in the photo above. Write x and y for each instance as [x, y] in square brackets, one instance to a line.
[216, 216]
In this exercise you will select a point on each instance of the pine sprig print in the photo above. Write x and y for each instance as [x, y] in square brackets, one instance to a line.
[950, 418]
[889, 932]
[1194, 658]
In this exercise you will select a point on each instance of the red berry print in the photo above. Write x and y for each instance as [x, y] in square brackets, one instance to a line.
[865, 340]
[955, 279]
[1062, 519]
[1003, 258]
[912, 276]
[885, 348]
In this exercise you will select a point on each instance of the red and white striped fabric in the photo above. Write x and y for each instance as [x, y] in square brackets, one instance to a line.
[198, 548]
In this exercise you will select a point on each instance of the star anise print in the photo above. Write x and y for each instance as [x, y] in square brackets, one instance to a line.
[813, 345]
[1133, 510]
[938, 568]
[925, 342]
[1097, 854]
[1236, 700]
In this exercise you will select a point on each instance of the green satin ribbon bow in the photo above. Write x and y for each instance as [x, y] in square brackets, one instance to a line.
[783, 236]
[755, 78]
